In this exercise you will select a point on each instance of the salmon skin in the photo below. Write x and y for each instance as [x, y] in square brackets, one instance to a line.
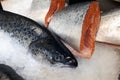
[110, 27]
[36, 38]
[7, 73]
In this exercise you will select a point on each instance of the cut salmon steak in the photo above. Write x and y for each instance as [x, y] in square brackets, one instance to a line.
[55, 6]
[84, 19]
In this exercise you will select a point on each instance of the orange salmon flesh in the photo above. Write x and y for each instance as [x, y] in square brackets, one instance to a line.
[89, 30]
[55, 6]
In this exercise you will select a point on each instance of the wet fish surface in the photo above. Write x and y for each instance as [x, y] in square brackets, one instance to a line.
[36, 38]
[110, 27]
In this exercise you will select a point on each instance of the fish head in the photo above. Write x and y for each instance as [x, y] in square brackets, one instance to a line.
[61, 56]
[55, 51]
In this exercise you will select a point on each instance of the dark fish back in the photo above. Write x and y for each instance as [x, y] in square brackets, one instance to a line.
[20, 28]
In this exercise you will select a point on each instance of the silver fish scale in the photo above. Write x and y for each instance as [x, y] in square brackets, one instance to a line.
[19, 28]
[72, 17]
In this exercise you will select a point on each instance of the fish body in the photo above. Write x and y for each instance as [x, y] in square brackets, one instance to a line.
[71, 24]
[7, 73]
[36, 38]
[110, 27]
[77, 25]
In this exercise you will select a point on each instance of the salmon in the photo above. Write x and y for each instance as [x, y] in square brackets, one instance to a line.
[109, 28]
[77, 25]
[36, 38]
[7, 73]
[55, 6]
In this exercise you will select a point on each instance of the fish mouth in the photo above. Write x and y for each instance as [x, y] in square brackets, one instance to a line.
[71, 62]
[66, 65]
[72, 65]
[69, 66]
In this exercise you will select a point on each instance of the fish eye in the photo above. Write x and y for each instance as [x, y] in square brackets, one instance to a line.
[58, 57]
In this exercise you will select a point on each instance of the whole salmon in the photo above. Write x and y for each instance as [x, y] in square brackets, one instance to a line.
[36, 38]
